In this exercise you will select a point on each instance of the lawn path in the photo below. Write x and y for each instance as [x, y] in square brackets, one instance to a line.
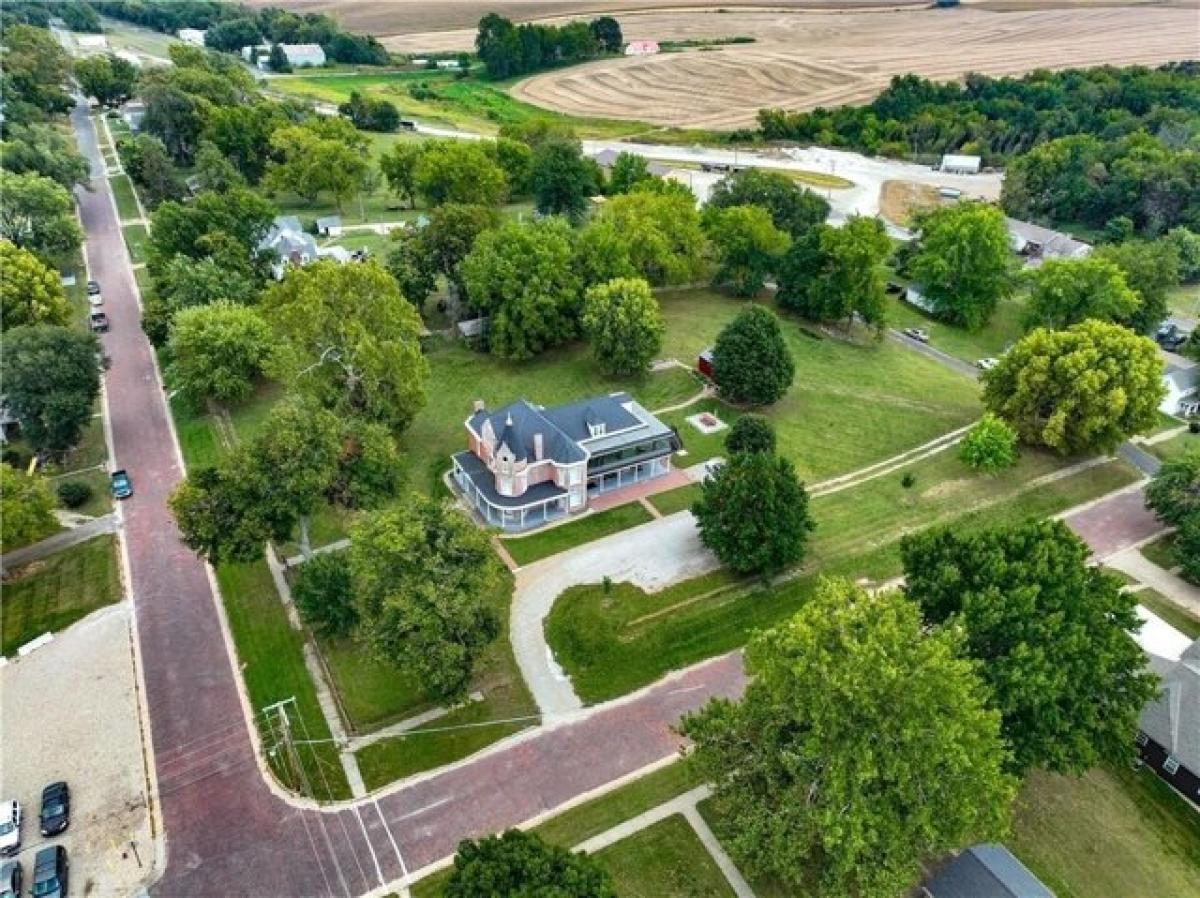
[64, 539]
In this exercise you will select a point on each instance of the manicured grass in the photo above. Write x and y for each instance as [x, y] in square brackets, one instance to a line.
[125, 36]
[1003, 330]
[666, 860]
[122, 189]
[1112, 832]
[469, 104]
[51, 594]
[851, 403]
[527, 549]
[1177, 445]
[1185, 300]
[270, 655]
[1161, 552]
[198, 436]
[459, 376]
[572, 827]
[679, 499]
[1178, 617]
[136, 238]
[612, 643]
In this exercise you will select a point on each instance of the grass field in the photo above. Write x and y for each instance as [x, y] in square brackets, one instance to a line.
[143, 41]
[677, 499]
[51, 594]
[136, 238]
[1161, 552]
[666, 860]
[1178, 617]
[1177, 445]
[100, 502]
[1185, 300]
[470, 104]
[123, 194]
[551, 541]
[1003, 330]
[612, 643]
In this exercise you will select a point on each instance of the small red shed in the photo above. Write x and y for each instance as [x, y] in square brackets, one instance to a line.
[704, 363]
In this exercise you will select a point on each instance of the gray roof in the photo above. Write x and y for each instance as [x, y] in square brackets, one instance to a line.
[287, 237]
[485, 482]
[605, 158]
[575, 418]
[987, 870]
[1053, 243]
[516, 424]
[658, 169]
[1173, 719]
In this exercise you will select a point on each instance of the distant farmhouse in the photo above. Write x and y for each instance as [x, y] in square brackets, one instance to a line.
[528, 465]
[299, 56]
[641, 48]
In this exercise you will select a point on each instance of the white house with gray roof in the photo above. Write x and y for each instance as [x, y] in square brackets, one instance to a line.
[527, 465]
[1169, 728]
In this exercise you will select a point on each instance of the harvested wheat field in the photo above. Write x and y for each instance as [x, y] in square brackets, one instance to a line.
[801, 60]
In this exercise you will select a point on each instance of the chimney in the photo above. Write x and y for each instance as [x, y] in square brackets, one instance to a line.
[480, 405]
[537, 446]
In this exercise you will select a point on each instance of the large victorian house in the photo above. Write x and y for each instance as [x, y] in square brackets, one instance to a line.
[527, 465]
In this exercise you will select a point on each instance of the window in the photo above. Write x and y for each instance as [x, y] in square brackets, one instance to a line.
[1170, 765]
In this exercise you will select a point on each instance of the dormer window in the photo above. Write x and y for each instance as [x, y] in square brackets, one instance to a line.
[596, 428]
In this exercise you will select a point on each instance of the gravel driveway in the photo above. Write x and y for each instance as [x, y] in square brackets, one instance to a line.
[651, 556]
[70, 713]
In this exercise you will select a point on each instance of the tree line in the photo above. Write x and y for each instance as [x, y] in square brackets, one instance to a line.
[508, 50]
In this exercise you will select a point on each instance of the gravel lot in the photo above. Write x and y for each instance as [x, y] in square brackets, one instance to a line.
[70, 712]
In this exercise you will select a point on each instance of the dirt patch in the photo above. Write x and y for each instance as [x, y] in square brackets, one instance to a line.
[802, 60]
[898, 200]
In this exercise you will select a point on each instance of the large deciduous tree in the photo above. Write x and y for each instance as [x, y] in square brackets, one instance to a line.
[1053, 636]
[794, 209]
[624, 325]
[562, 181]
[748, 247]
[218, 350]
[1151, 269]
[51, 381]
[862, 747]
[311, 164]
[108, 78]
[188, 229]
[753, 514]
[38, 214]
[184, 283]
[520, 276]
[424, 576]
[662, 234]
[43, 150]
[26, 508]
[964, 261]
[1174, 492]
[36, 70]
[30, 293]
[399, 167]
[751, 433]
[348, 338]
[1077, 390]
[751, 360]
[459, 171]
[1068, 291]
[324, 594]
[628, 170]
[518, 864]
[833, 274]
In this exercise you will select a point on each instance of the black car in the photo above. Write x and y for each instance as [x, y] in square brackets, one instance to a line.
[50, 873]
[98, 322]
[93, 288]
[56, 809]
[11, 876]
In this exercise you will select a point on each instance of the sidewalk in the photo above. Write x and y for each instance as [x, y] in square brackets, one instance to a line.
[59, 541]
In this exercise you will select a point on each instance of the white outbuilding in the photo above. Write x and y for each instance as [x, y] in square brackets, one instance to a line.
[961, 165]
[193, 36]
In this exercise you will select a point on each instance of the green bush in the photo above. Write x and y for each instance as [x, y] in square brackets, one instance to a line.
[74, 493]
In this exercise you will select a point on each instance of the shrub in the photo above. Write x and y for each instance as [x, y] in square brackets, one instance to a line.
[74, 493]
[989, 446]
[323, 594]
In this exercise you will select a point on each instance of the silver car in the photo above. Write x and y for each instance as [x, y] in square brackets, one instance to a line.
[10, 828]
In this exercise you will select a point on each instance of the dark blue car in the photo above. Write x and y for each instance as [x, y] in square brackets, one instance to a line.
[122, 486]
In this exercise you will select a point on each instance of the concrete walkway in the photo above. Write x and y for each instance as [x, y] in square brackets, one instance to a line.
[1132, 562]
[59, 541]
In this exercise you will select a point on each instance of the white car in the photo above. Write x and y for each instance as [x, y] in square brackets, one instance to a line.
[987, 364]
[10, 828]
[96, 299]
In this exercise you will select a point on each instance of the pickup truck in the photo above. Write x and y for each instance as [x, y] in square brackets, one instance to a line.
[122, 486]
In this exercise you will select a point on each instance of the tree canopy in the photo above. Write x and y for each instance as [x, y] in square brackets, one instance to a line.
[561, 179]
[751, 361]
[38, 214]
[1052, 634]
[748, 247]
[751, 433]
[1068, 291]
[839, 773]
[310, 164]
[459, 171]
[794, 209]
[51, 381]
[833, 274]
[1174, 492]
[424, 577]
[1077, 390]
[348, 338]
[218, 350]
[107, 77]
[1151, 268]
[30, 292]
[661, 234]
[43, 150]
[518, 864]
[26, 508]
[623, 323]
[989, 446]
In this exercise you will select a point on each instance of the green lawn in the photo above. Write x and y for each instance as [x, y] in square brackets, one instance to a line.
[666, 860]
[136, 238]
[1178, 617]
[51, 594]
[126, 36]
[551, 541]
[270, 655]
[101, 502]
[1185, 300]
[1003, 330]
[1177, 445]
[1112, 832]
[613, 643]
[470, 104]
[679, 499]
[572, 827]
[122, 189]
[1161, 552]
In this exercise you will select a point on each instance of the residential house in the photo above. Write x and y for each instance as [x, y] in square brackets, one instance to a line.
[1168, 736]
[1182, 381]
[329, 226]
[527, 465]
[1036, 243]
[193, 36]
[987, 870]
[448, 64]
[303, 55]
[961, 165]
[641, 48]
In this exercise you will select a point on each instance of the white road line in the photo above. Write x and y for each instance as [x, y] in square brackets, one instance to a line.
[387, 829]
[422, 810]
[370, 847]
[686, 689]
[316, 854]
[337, 866]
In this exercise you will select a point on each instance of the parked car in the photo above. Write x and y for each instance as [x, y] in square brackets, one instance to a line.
[11, 877]
[1170, 337]
[987, 364]
[50, 869]
[93, 288]
[56, 809]
[99, 322]
[96, 300]
[121, 484]
[10, 828]
[915, 333]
